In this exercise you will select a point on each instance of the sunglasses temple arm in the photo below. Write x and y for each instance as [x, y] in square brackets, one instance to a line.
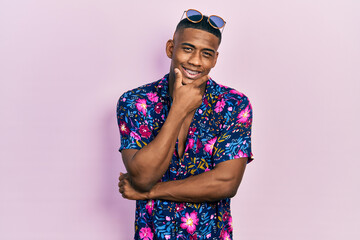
[222, 29]
[182, 15]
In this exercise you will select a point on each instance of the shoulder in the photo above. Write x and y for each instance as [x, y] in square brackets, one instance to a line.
[139, 92]
[234, 99]
[232, 106]
[140, 95]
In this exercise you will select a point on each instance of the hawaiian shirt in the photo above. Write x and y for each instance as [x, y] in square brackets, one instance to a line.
[220, 131]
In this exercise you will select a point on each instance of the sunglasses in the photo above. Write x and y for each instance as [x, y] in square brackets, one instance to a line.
[195, 16]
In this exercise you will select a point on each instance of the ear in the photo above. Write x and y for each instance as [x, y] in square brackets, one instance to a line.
[169, 48]
[215, 59]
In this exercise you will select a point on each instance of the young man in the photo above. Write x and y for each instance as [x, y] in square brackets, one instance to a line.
[185, 142]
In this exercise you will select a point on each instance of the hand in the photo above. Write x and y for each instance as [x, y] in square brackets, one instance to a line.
[188, 97]
[127, 191]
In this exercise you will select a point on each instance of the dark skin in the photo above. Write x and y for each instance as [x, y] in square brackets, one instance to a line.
[193, 54]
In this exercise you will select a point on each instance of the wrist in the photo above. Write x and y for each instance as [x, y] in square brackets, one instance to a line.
[178, 111]
[152, 193]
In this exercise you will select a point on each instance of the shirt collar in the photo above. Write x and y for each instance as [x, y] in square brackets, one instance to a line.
[163, 87]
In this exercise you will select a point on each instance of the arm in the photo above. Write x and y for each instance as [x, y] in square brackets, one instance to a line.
[219, 183]
[147, 165]
[231, 153]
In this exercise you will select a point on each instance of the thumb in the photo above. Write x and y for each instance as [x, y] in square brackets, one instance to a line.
[178, 78]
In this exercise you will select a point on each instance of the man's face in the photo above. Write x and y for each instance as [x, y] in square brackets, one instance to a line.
[193, 52]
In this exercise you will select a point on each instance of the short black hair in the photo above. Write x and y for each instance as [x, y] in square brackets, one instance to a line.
[202, 25]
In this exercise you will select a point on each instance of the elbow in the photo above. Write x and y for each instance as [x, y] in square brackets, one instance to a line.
[140, 180]
[141, 184]
[230, 189]
[232, 192]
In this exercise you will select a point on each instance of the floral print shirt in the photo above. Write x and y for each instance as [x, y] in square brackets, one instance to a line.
[220, 131]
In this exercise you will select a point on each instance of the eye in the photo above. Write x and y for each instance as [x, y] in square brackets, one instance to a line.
[207, 54]
[187, 49]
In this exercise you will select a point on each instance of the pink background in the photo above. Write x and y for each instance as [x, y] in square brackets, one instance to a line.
[64, 64]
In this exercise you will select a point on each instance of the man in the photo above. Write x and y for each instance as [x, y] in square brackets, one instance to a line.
[185, 142]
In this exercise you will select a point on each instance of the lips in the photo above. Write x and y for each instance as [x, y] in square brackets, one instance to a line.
[192, 74]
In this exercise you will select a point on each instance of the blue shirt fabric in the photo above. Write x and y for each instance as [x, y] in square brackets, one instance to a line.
[220, 131]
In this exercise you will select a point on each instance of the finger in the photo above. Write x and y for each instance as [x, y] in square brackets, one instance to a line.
[201, 81]
[124, 195]
[178, 78]
[126, 182]
[122, 176]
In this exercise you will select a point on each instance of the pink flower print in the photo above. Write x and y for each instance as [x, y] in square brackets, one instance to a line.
[141, 106]
[227, 218]
[144, 131]
[240, 154]
[206, 101]
[167, 218]
[179, 207]
[135, 135]
[236, 92]
[198, 145]
[153, 97]
[146, 234]
[225, 235]
[124, 130]
[158, 107]
[167, 236]
[191, 131]
[244, 115]
[220, 105]
[208, 236]
[210, 145]
[189, 222]
[230, 223]
[193, 237]
[150, 206]
[190, 145]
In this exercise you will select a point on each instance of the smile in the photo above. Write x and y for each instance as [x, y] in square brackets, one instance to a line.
[191, 73]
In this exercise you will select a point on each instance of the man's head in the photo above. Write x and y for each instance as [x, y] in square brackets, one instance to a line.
[193, 49]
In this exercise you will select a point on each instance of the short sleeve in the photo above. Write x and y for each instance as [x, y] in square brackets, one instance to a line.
[131, 118]
[234, 140]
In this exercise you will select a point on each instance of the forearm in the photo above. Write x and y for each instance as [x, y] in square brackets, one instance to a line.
[150, 163]
[206, 187]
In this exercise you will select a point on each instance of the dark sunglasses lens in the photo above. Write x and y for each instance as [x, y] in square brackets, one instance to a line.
[216, 21]
[194, 15]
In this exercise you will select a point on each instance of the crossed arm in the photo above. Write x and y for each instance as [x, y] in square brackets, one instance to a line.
[146, 167]
[219, 183]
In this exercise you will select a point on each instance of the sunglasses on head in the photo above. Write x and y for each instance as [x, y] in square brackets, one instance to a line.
[195, 16]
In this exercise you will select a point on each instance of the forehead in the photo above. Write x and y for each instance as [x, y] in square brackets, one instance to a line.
[198, 38]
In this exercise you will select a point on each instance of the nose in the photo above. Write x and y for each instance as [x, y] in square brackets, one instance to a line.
[195, 59]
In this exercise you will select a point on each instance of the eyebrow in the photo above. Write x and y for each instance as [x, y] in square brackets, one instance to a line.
[190, 45]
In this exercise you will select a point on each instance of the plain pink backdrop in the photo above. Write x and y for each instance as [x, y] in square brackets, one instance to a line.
[64, 64]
